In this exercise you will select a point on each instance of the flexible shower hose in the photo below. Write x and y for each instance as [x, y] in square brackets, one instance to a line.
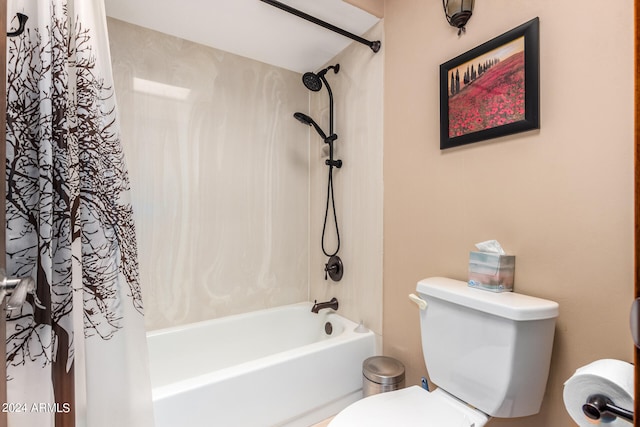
[326, 214]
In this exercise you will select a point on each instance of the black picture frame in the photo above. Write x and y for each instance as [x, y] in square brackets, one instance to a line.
[492, 90]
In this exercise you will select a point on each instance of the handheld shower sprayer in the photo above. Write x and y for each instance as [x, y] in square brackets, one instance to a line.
[304, 119]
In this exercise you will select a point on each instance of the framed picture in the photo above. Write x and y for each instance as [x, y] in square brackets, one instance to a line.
[492, 90]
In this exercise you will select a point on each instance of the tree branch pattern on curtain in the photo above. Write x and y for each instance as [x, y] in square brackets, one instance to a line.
[68, 208]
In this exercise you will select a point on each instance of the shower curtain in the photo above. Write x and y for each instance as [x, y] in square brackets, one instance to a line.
[76, 350]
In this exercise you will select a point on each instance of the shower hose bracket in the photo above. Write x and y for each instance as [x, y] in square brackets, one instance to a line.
[334, 163]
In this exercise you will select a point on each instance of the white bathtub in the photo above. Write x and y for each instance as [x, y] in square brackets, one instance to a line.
[274, 367]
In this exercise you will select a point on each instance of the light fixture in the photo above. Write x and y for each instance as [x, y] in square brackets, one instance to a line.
[458, 13]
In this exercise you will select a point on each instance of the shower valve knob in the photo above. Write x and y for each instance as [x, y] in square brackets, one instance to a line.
[334, 268]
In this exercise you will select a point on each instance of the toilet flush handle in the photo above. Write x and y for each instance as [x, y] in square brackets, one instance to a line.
[422, 304]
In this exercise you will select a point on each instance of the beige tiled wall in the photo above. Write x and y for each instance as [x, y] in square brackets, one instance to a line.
[219, 173]
[324, 423]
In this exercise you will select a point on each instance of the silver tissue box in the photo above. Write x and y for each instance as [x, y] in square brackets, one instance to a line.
[491, 272]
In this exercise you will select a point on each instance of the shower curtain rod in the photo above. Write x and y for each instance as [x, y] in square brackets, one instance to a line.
[374, 45]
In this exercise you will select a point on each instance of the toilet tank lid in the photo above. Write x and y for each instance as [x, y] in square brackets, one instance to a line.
[509, 305]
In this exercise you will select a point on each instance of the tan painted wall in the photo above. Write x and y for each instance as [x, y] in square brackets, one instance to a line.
[560, 198]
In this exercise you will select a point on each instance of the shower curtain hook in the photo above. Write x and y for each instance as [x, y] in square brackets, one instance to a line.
[22, 20]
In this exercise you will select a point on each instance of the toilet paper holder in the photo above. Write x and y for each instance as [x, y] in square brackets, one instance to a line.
[600, 407]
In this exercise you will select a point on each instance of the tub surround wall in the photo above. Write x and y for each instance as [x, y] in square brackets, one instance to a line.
[219, 175]
[560, 199]
[374, 7]
[358, 187]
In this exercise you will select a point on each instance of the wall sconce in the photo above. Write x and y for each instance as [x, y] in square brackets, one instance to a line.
[458, 13]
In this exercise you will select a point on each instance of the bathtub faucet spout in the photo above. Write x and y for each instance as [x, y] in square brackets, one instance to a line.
[317, 306]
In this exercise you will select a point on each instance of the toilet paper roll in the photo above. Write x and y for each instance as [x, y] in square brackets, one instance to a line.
[609, 377]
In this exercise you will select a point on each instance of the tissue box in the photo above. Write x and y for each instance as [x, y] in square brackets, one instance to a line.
[492, 272]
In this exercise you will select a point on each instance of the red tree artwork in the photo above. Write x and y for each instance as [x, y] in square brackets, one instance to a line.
[494, 98]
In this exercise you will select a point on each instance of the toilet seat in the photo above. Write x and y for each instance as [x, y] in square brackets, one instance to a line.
[410, 407]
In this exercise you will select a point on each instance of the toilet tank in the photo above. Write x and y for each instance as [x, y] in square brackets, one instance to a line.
[490, 350]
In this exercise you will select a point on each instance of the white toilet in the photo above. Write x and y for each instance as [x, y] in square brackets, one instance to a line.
[488, 353]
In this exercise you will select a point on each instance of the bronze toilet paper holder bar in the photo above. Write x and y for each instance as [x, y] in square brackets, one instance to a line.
[600, 407]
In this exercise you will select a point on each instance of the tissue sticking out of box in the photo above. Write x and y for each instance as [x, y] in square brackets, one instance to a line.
[491, 246]
[491, 269]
